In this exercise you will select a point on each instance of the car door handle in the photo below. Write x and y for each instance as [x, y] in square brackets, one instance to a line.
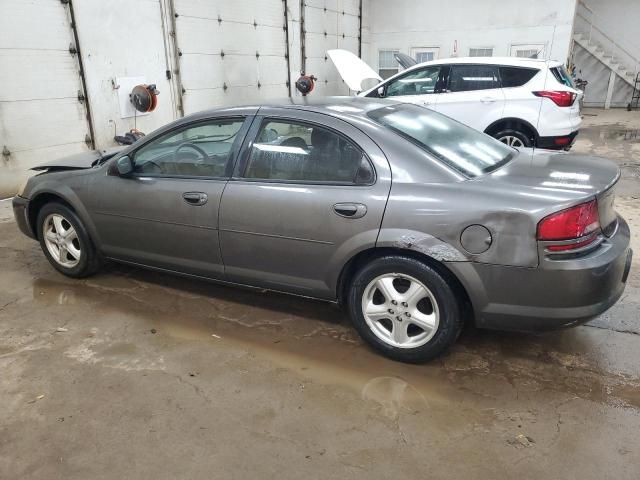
[195, 198]
[350, 210]
[488, 99]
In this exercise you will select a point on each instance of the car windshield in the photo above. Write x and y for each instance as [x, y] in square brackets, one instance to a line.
[464, 149]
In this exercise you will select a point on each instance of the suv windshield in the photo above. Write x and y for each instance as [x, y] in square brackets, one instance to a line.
[562, 76]
[466, 150]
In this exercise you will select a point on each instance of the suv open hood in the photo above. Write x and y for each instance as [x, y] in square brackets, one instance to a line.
[352, 69]
[404, 60]
[79, 160]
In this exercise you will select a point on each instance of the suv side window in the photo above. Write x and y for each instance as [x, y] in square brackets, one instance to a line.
[201, 150]
[287, 150]
[418, 82]
[516, 76]
[464, 78]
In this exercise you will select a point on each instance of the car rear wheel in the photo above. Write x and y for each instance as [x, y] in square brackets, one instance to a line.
[514, 138]
[65, 241]
[404, 309]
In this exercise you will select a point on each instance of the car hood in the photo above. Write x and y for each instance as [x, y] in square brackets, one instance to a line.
[79, 160]
[352, 69]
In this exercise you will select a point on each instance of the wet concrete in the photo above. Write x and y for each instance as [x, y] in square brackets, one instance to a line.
[132, 374]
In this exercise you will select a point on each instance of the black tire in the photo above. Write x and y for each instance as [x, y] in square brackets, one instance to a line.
[450, 308]
[89, 262]
[510, 132]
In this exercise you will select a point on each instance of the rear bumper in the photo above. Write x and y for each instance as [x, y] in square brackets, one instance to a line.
[557, 142]
[558, 293]
[21, 213]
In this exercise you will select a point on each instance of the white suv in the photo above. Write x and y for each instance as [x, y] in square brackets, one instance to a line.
[521, 102]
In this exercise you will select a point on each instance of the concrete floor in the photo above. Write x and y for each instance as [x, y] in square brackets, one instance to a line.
[131, 374]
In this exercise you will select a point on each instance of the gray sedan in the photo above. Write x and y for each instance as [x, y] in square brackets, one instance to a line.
[412, 221]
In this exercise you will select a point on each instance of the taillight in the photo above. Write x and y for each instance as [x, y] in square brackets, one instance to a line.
[560, 98]
[574, 223]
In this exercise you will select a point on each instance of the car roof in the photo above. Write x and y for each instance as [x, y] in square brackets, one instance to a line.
[342, 106]
[509, 61]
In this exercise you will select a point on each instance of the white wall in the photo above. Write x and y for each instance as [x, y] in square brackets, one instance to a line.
[404, 24]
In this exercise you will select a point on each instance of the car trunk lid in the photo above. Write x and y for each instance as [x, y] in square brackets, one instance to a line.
[564, 179]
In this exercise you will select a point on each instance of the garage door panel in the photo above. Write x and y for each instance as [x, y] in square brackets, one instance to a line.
[264, 12]
[348, 26]
[52, 25]
[51, 74]
[318, 21]
[197, 100]
[234, 70]
[63, 123]
[328, 4]
[206, 36]
[348, 43]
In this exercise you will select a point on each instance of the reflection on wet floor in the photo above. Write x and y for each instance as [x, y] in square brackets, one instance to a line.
[291, 331]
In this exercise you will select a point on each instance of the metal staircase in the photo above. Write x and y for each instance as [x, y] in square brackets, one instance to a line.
[635, 98]
[606, 50]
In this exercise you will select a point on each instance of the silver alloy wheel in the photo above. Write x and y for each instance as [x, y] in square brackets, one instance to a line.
[512, 141]
[61, 240]
[400, 310]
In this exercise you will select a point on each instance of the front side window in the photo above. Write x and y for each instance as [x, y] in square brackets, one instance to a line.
[201, 150]
[299, 152]
[417, 82]
[462, 148]
[465, 78]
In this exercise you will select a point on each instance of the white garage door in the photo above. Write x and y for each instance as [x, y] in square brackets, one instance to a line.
[40, 115]
[329, 24]
[230, 52]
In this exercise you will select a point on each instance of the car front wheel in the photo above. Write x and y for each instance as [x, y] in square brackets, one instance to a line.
[65, 241]
[404, 309]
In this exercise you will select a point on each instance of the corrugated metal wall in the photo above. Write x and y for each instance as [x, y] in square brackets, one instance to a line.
[200, 53]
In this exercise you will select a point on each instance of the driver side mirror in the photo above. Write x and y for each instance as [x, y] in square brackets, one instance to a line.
[124, 166]
[381, 92]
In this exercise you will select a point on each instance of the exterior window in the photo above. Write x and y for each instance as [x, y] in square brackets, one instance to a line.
[464, 78]
[516, 76]
[425, 54]
[387, 64]
[202, 150]
[292, 151]
[481, 52]
[417, 82]
[528, 51]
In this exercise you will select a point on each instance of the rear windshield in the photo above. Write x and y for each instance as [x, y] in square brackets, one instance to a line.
[562, 76]
[464, 149]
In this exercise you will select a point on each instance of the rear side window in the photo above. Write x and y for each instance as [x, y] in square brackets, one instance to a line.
[516, 76]
[464, 78]
[298, 152]
[562, 76]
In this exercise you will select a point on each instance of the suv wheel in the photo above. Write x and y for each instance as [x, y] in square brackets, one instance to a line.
[514, 138]
[404, 309]
[65, 242]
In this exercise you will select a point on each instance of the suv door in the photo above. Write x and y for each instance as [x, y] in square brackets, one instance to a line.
[472, 95]
[166, 213]
[420, 86]
[308, 193]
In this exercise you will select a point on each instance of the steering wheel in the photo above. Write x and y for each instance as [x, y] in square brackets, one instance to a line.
[193, 146]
